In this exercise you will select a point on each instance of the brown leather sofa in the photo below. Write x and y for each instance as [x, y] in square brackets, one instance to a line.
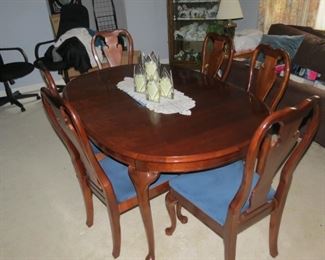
[311, 54]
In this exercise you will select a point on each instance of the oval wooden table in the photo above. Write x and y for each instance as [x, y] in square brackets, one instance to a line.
[217, 132]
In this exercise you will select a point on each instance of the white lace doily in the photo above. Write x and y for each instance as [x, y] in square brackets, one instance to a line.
[180, 104]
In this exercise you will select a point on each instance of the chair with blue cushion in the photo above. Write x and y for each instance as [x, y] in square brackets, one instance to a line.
[266, 82]
[229, 199]
[98, 174]
[217, 55]
[52, 101]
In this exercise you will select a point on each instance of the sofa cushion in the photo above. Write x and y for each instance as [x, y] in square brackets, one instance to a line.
[288, 43]
[310, 30]
[311, 53]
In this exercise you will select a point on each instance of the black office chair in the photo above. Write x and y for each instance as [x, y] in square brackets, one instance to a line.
[9, 72]
[71, 16]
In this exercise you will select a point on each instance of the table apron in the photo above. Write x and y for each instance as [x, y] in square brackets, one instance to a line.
[188, 166]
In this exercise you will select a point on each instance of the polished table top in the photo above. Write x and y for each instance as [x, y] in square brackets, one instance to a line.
[218, 131]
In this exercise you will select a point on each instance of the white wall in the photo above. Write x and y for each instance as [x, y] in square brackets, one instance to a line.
[23, 23]
[250, 13]
[89, 6]
[147, 23]
[120, 13]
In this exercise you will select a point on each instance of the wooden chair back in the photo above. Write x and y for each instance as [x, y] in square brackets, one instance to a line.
[74, 128]
[68, 125]
[217, 55]
[264, 81]
[50, 84]
[52, 102]
[51, 105]
[112, 47]
[277, 147]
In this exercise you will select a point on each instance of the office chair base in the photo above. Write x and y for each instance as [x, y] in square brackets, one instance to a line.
[12, 98]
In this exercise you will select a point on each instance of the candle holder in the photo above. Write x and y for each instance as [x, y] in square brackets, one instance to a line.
[166, 84]
[153, 91]
[139, 77]
[152, 68]
[153, 80]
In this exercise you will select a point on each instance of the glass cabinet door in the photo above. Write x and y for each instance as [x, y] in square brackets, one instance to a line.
[188, 23]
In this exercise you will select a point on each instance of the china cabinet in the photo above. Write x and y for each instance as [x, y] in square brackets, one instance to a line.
[188, 23]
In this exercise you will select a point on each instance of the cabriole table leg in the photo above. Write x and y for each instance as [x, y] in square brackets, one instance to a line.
[141, 181]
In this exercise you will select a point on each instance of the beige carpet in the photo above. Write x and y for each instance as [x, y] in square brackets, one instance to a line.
[42, 214]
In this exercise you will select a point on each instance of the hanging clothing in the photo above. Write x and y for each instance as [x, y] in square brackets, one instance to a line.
[83, 35]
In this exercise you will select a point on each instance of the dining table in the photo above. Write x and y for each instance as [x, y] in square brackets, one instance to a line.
[217, 131]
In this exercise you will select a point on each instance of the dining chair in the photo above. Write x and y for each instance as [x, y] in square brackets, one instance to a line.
[265, 80]
[232, 198]
[98, 174]
[112, 44]
[52, 101]
[217, 55]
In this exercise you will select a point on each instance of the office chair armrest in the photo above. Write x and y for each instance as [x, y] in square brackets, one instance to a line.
[38, 45]
[16, 49]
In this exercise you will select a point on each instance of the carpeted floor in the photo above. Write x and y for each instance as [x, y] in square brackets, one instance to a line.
[42, 215]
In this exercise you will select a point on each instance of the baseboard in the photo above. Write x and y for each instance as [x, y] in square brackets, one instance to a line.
[31, 88]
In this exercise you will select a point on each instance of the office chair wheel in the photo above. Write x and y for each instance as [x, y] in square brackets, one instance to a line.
[38, 97]
[22, 109]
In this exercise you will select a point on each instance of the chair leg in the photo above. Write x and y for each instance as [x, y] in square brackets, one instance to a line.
[14, 101]
[183, 219]
[114, 218]
[20, 96]
[275, 221]
[230, 246]
[170, 205]
[88, 200]
[13, 97]
[10, 97]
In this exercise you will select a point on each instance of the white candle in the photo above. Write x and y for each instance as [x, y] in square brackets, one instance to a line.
[153, 91]
[151, 70]
[166, 87]
[140, 83]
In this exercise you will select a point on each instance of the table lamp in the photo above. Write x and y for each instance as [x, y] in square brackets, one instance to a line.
[229, 10]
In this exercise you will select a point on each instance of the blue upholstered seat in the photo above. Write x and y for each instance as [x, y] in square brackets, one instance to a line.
[94, 147]
[119, 177]
[213, 190]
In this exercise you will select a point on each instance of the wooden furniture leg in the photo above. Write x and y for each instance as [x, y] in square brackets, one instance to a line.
[141, 181]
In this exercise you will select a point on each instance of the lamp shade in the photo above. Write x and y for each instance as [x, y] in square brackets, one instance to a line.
[229, 9]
